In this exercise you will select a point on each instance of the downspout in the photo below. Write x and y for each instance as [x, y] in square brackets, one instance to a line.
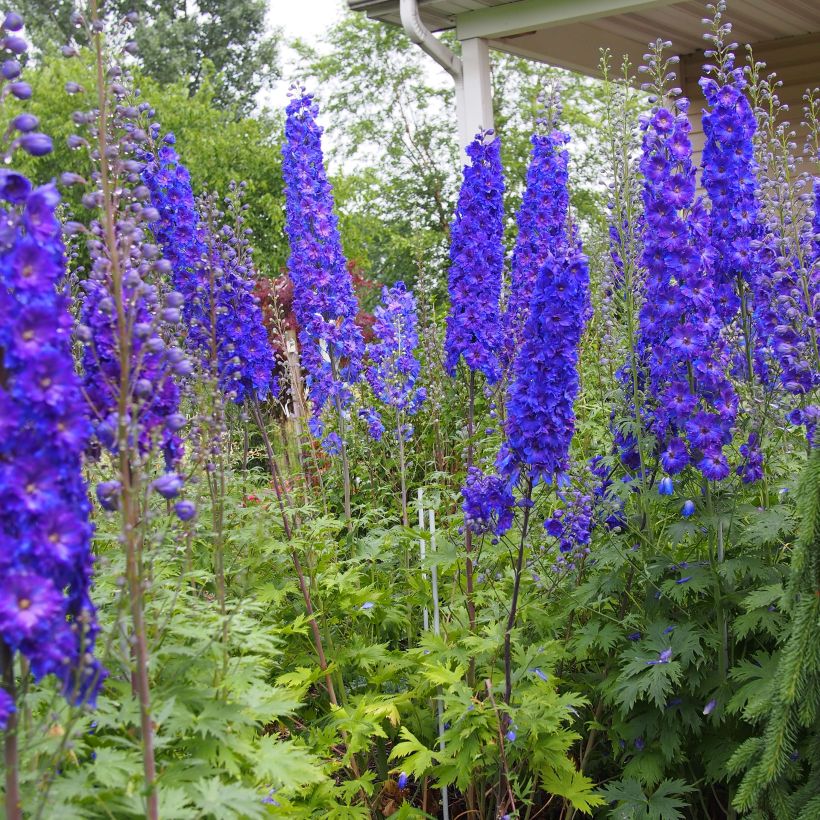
[422, 36]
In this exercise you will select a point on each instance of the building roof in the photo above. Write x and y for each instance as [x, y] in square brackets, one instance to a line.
[570, 33]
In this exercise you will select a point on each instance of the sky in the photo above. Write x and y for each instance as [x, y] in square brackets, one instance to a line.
[305, 19]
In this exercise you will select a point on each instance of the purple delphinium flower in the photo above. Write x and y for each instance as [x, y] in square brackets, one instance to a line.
[572, 526]
[540, 414]
[46, 563]
[324, 301]
[245, 360]
[730, 179]
[373, 419]
[541, 221]
[488, 502]
[679, 328]
[130, 311]
[395, 369]
[477, 262]
[212, 269]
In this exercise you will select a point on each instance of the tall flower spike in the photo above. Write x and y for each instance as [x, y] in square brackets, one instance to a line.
[679, 328]
[477, 263]
[324, 301]
[46, 612]
[178, 232]
[730, 179]
[395, 369]
[212, 267]
[540, 414]
[541, 219]
[247, 368]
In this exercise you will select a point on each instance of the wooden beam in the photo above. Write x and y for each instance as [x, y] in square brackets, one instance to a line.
[510, 19]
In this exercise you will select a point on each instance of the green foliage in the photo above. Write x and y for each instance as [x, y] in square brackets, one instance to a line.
[178, 41]
[216, 146]
[787, 705]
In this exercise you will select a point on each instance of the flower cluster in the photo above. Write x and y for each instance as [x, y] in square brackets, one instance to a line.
[178, 233]
[679, 327]
[395, 369]
[130, 365]
[325, 304]
[212, 268]
[730, 179]
[488, 502]
[572, 526]
[540, 414]
[541, 221]
[477, 263]
[245, 358]
[46, 613]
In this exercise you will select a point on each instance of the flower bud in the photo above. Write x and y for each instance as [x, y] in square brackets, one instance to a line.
[13, 22]
[36, 144]
[16, 45]
[11, 69]
[21, 90]
[168, 485]
[185, 510]
[25, 122]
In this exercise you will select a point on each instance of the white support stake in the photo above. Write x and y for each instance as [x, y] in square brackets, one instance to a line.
[445, 803]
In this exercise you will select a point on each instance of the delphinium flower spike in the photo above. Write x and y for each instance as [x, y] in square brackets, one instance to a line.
[695, 403]
[212, 267]
[540, 414]
[130, 361]
[541, 219]
[46, 613]
[395, 370]
[324, 301]
[788, 257]
[477, 262]
[730, 179]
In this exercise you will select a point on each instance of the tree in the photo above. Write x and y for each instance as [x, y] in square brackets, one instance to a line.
[178, 38]
[216, 146]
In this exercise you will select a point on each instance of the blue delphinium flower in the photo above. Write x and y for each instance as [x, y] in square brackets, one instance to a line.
[178, 233]
[572, 526]
[730, 179]
[541, 220]
[46, 612]
[213, 271]
[540, 414]
[395, 369]
[373, 419]
[488, 502]
[679, 328]
[477, 262]
[247, 367]
[324, 301]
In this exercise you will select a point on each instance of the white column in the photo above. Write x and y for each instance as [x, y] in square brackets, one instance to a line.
[474, 97]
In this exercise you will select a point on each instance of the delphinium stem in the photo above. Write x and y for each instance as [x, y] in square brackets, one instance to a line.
[514, 603]
[129, 476]
[342, 435]
[297, 564]
[468, 535]
[445, 802]
[10, 754]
